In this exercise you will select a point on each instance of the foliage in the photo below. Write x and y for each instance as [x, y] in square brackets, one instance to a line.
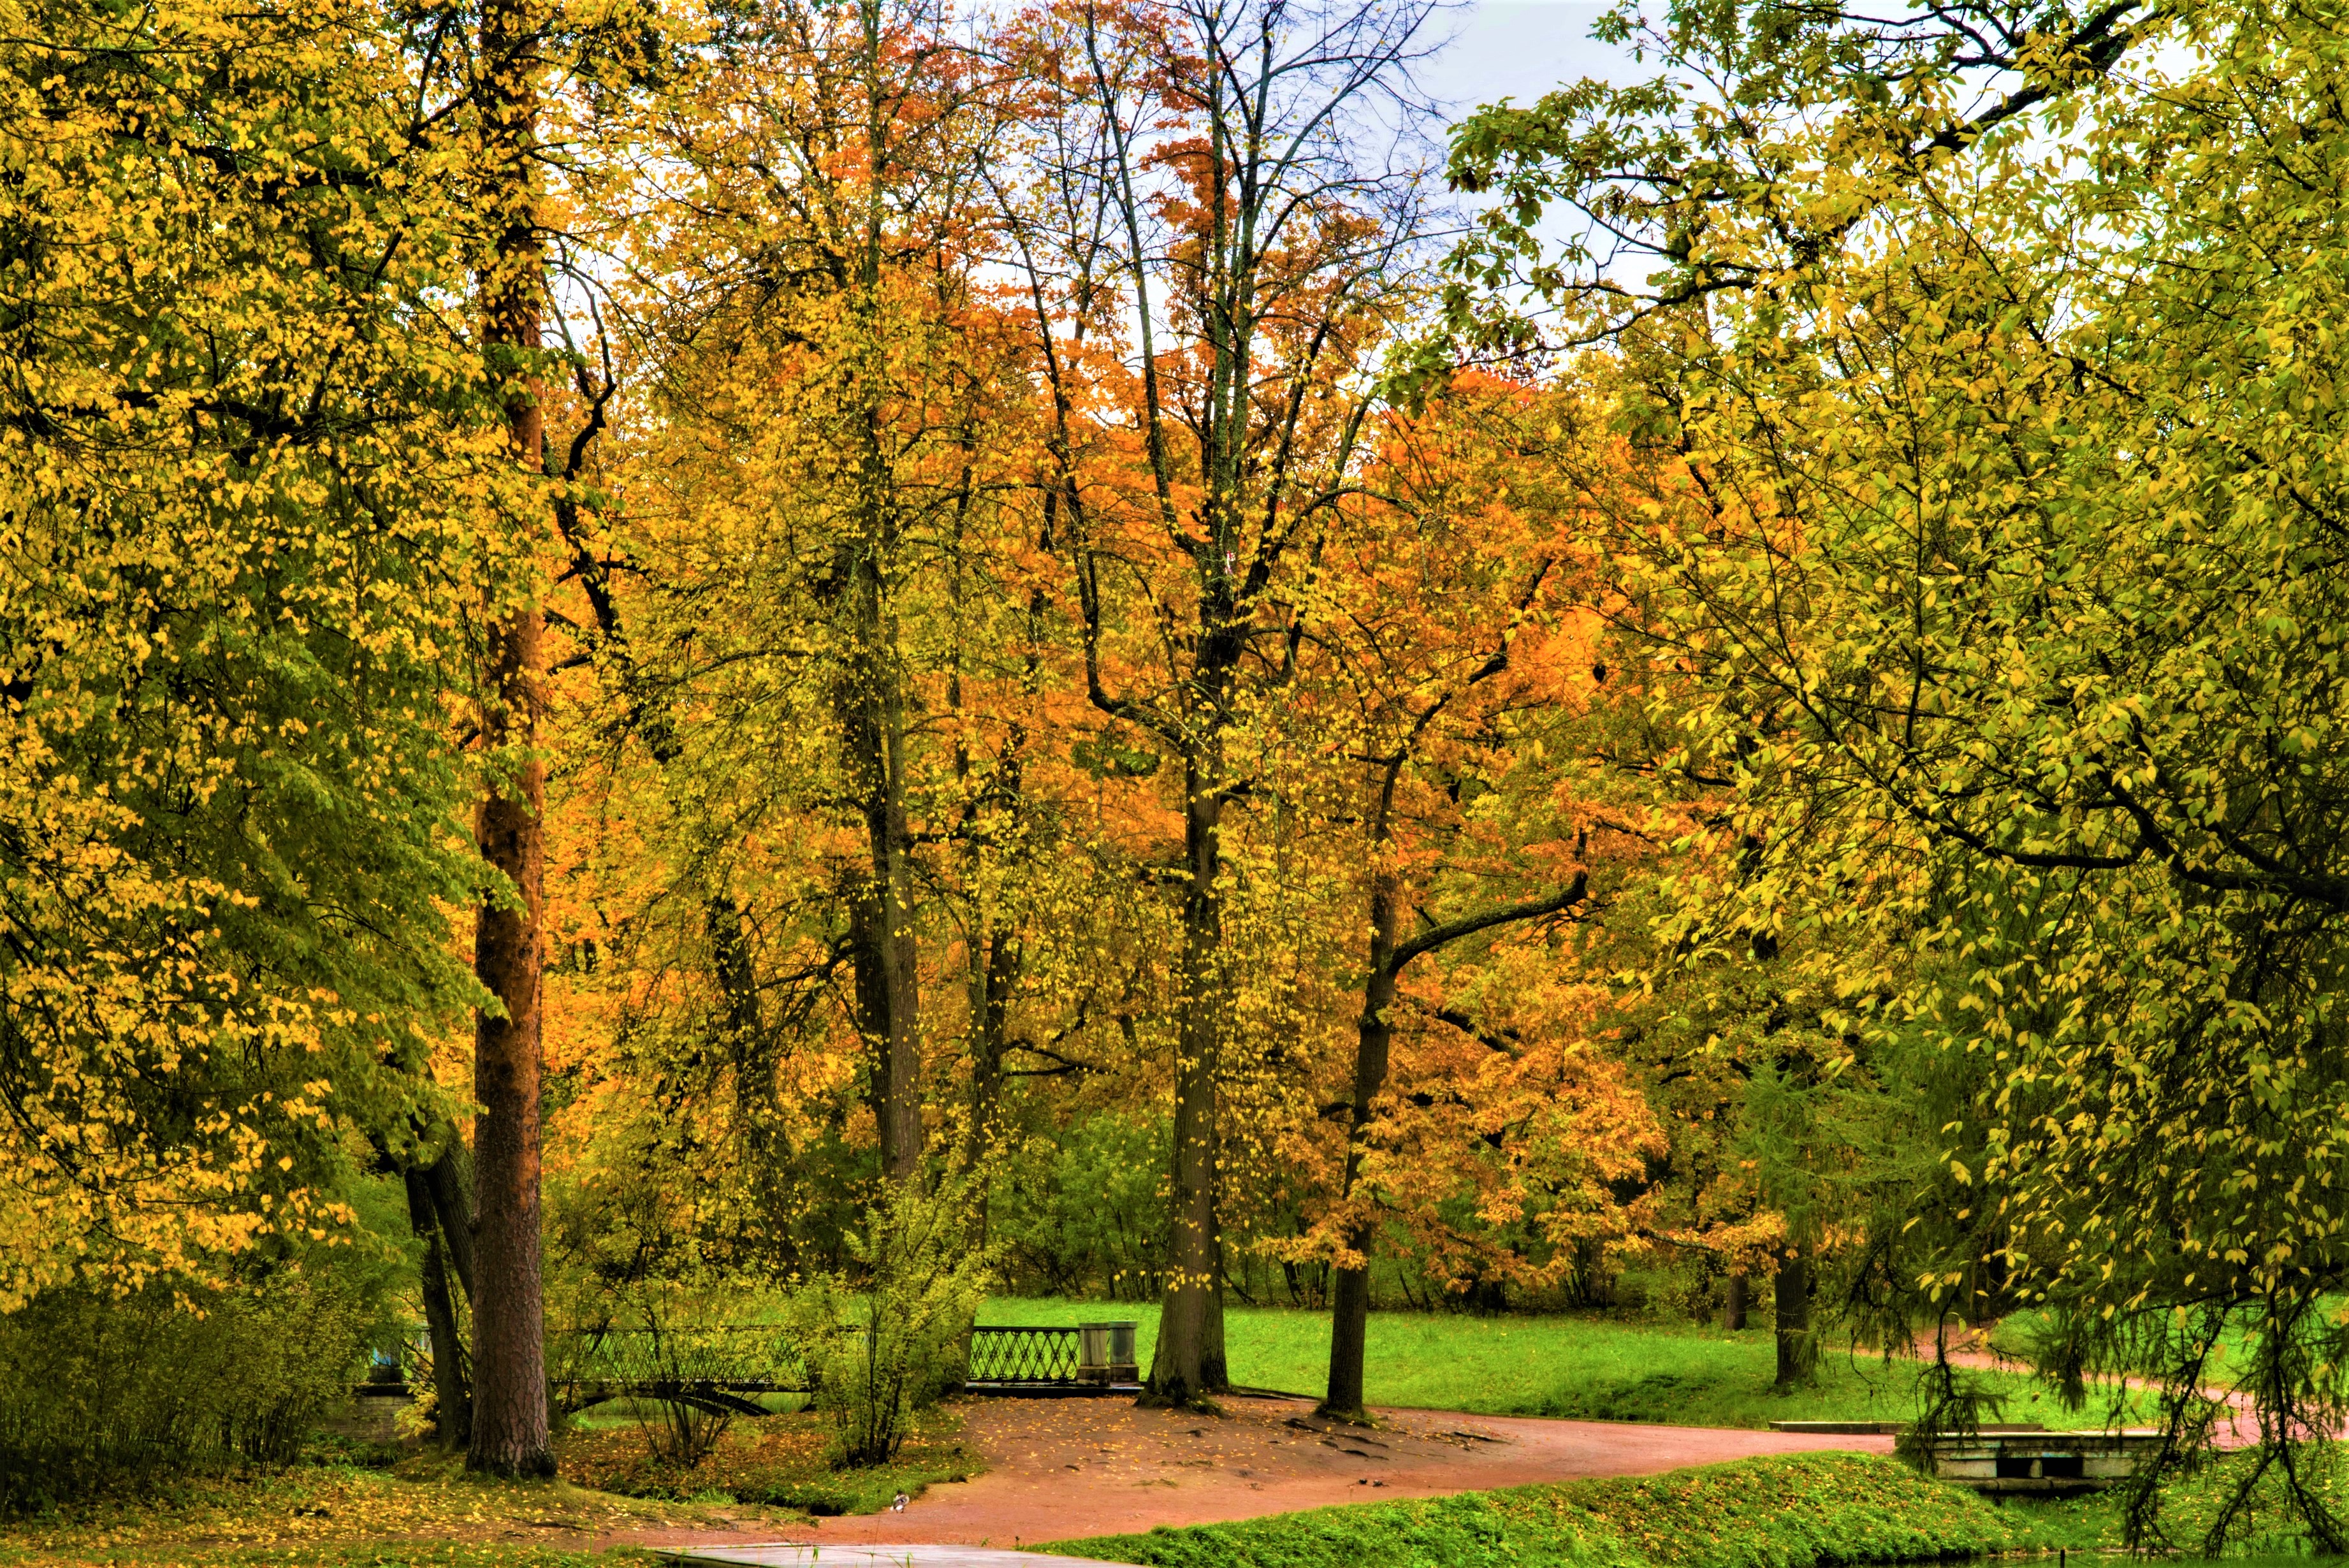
[1839, 779]
[894, 534]
[1987, 559]
[1810, 1510]
[1084, 1210]
[781, 1462]
[241, 462]
[97, 1390]
[891, 1344]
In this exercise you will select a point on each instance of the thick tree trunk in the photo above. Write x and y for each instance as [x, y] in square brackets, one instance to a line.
[1350, 1297]
[510, 1426]
[1189, 1363]
[510, 1418]
[1796, 1352]
[455, 1411]
[1739, 1290]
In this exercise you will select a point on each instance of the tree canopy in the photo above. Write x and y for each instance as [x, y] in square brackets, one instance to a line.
[1016, 607]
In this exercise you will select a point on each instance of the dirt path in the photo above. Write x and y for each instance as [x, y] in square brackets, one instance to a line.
[1066, 1468]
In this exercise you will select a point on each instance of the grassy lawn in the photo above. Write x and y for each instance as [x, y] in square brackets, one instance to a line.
[377, 1554]
[1802, 1511]
[1578, 1366]
[425, 1514]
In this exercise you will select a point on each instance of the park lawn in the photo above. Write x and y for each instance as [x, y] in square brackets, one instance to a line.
[343, 1554]
[424, 1514]
[427, 1512]
[1585, 1368]
[1788, 1510]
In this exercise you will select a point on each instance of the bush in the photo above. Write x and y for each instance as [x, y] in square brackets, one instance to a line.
[894, 1345]
[95, 1390]
[1085, 1214]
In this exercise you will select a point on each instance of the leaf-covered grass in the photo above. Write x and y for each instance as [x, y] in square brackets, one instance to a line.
[377, 1554]
[781, 1462]
[428, 1514]
[1584, 1368]
[1799, 1510]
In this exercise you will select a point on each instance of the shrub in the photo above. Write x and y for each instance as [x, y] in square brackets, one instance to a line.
[893, 1347]
[96, 1388]
[1082, 1211]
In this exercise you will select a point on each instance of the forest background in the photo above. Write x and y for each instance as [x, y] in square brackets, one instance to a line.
[660, 655]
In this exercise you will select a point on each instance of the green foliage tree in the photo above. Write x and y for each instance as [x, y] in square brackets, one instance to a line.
[240, 452]
[1996, 534]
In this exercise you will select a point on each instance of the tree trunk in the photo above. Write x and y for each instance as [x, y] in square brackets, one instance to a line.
[894, 1035]
[1349, 1300]
[449, 1183]
[1189, 1363]
[510, 1418]
[902, 1112]
[1796, 1352]
[881, 940]
[1739, 1288]
[455, 1406]
[995, 969]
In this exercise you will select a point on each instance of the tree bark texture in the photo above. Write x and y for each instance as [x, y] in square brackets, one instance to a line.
[1188, 1364]
[454, 1404]
[1796, 1352]
[449, 1184]
[995, 970]
[510, 1417]
[882, 943]
[1739, 1290]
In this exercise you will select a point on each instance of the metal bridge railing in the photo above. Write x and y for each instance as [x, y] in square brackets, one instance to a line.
[1016, 1355]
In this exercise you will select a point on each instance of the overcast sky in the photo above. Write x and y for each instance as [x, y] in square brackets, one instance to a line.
[1519, 49]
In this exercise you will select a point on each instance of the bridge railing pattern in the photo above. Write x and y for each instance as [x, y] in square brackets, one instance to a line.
[587, 1365]
[1000, 1356]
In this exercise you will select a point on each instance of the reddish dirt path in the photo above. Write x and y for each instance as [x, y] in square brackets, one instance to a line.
[1066, 1467]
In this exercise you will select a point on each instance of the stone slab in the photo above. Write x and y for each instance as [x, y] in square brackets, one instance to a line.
[843, 1555]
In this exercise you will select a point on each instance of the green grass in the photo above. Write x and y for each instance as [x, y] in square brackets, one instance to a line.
[1799, 1510]
[1585, 1368]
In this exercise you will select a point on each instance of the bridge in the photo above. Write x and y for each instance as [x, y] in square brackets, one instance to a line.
[723, 1368]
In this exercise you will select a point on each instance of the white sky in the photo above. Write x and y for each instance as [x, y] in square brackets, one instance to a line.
[1520, 49]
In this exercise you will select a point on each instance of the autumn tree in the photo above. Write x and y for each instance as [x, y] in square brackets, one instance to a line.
[1456, 636]
[813, 593]
[2007, 592]
[243, 459]
[1217, 183]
